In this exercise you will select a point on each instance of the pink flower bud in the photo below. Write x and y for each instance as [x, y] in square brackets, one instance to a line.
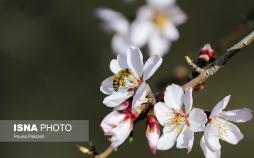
[152, 132]
[207, 51]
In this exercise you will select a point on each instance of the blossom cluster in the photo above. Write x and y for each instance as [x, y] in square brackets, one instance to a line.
[128, 93]
[173, 118]
[155, 26]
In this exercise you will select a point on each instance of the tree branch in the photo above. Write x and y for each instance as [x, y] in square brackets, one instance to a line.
[220, 62]
[202, 77]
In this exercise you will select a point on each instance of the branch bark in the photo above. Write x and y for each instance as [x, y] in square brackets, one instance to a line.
[220, 62]
[105, 153]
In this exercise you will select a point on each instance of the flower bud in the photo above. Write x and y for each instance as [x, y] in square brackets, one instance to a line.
[152, 132]
[206, 53]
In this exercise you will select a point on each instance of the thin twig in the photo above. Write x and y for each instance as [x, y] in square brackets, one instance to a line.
[220, 62]
[193, 65]
[93, 154]
[105, 153]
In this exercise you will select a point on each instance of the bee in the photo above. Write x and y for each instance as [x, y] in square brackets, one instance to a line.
[120, 78]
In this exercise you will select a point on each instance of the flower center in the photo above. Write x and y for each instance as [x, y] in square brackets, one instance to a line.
[125, 78]
[223, 129]
[160, 19]
[177, 120]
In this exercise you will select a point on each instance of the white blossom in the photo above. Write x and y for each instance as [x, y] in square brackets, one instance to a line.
[129, 78]
[156, 27]
[118, 124]
[219, 127]
[179, 119]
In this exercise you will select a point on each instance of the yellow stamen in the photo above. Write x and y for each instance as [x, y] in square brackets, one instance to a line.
[222, 128]
[176, 121]
[160, 19]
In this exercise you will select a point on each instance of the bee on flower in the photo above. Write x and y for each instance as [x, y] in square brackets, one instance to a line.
[129, 79]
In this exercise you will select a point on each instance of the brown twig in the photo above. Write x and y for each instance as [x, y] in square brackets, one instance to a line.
[220, 62]
[105, 153]
[93, 154]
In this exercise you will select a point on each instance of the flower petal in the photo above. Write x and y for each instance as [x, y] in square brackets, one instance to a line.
[232, 133]
[111, 120]
[112, 20]
[117, 98]
[162, 112]
[160, 3]
[114, 66]
[173, 96]
[177, 15]
[122, 60]
[152, 136]
[119, 44]
[188, 100]
[185, 139]
[158, 44]
[140, 96]
[151, 65]
[135, 60]
[107, 86]
[170, 31]
[238, 115]
[219, 107]
[167, 140]
[145, 13]
[140, 32]
[124, 105]
[121, 133]
[120, 107]
[212, 137]
[197, 120]
[207, 152]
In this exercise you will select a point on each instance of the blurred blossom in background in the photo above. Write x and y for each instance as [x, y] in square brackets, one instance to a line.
[154, 26]
[55, 54]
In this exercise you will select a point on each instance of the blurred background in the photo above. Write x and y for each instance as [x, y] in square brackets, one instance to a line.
[54, 55]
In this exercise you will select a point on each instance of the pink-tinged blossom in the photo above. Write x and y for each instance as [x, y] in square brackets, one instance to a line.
[118, 126]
